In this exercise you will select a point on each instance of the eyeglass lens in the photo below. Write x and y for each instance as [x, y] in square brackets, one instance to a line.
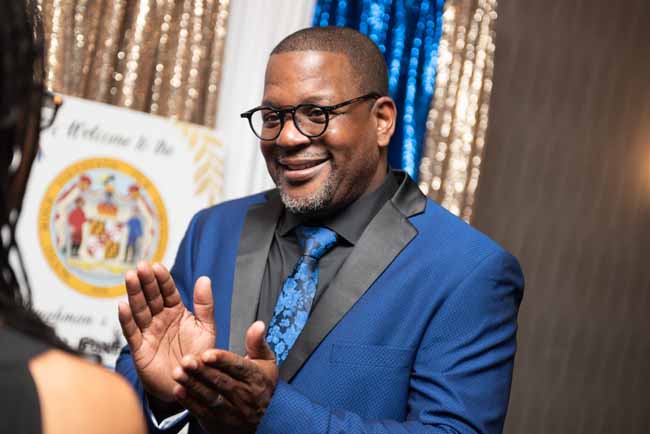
[49, 108]
[310, 120]
[47, 116]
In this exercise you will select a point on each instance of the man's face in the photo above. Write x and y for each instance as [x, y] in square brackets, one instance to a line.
[319, 175]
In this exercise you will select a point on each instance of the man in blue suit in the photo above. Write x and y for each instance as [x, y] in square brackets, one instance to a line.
[385, 313]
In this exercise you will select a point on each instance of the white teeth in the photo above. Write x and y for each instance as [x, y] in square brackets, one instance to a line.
[302, 166]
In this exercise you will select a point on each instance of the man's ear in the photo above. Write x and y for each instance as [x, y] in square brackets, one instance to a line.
[385, 113]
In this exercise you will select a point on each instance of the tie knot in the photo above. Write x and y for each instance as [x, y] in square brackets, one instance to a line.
[315, 241]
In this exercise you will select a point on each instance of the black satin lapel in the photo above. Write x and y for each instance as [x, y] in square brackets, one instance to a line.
[384, 238]
[408, 198]
[252, 253]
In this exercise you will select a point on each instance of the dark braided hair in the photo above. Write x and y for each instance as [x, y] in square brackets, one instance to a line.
[21, 95]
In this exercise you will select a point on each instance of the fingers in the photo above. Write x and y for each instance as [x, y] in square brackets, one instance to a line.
[207, 385]
[150, 287]
[256, 345]
[187, 376]
[190, 401]
[231, 364]
[129, 328]
[213, 418]
[203, 302]
[137, 301]
[168, 289]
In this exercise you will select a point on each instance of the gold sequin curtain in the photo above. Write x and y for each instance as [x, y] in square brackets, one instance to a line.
[458, 117]
[157, 56]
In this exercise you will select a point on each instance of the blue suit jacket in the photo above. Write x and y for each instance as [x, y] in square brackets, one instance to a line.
[415, 334]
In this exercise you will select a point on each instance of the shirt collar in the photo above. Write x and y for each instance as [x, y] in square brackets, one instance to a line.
[351, 221]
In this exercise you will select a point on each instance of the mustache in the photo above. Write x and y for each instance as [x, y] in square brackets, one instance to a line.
[280, 154]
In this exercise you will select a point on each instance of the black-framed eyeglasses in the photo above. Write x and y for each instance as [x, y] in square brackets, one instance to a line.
[50, 104]
[310, 119]
[49, 109]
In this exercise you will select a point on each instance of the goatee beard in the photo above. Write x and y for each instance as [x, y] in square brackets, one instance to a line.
[315, 204]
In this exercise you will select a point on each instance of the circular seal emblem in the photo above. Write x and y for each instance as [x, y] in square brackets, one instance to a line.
[97, 219]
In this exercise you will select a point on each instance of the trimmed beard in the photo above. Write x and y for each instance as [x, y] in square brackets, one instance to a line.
[310, 205]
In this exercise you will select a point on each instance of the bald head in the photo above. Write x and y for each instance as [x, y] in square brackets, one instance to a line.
[368, 68]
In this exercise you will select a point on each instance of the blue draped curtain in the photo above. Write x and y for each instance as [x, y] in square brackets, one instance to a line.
[408, 33]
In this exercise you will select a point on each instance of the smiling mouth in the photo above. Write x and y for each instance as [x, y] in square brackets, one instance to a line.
[301, 164]
[300, 170]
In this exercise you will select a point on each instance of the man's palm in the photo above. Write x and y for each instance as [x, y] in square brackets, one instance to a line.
[160, 330]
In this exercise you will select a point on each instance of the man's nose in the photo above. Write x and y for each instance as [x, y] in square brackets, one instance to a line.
[290, 135]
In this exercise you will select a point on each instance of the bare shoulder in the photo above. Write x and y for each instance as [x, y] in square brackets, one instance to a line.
[77, 396]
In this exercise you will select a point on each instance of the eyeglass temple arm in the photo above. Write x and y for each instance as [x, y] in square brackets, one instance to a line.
[352, 101]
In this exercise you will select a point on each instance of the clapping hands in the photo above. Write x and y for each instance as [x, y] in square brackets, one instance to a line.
[160, 330]
[174, 356]
[228, 393]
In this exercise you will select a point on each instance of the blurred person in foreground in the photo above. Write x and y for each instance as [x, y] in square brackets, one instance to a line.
[45, 387]
[385, 312]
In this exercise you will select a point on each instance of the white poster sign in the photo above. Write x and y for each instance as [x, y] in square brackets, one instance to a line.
[110, 187]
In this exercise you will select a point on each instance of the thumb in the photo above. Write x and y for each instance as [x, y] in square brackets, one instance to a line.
[203, 302]
[256, 346]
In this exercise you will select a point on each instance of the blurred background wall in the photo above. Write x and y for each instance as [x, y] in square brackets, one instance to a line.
[565, 186]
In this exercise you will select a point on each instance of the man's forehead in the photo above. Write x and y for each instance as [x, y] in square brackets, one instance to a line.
[311, 76]
[289, 99]
[306, 63]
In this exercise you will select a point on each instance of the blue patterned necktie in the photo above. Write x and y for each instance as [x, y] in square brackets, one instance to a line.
[294, 304]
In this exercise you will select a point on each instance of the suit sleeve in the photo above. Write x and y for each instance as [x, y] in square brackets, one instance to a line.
[182, 274]
[460, 380]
